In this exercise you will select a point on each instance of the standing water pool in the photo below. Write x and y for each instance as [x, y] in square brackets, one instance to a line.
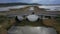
[31, 30]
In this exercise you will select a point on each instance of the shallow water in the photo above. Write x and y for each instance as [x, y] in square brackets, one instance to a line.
[31, 30]
[22, 6]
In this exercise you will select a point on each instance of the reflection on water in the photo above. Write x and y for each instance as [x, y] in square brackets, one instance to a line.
[22, 6]
[32, 17]
[12, 7]
[31, 30]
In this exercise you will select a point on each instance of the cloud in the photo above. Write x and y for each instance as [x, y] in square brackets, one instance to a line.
[44, 1]
[32, 1]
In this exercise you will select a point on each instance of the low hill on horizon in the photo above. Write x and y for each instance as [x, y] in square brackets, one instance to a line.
[19, 3]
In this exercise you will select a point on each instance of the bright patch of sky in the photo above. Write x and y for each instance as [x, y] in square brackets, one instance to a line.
[32, 1]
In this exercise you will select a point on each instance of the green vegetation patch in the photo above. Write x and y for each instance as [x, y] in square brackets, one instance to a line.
[2, 19]
[28, 23]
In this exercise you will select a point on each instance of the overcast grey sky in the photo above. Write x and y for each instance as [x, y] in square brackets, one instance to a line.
[32, 1]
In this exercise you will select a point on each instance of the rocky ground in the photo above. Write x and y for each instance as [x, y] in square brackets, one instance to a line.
[6, 23]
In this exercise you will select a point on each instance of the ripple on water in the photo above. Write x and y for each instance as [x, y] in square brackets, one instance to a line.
[31, 30]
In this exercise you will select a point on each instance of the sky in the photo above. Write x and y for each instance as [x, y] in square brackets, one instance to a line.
[32, 1]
